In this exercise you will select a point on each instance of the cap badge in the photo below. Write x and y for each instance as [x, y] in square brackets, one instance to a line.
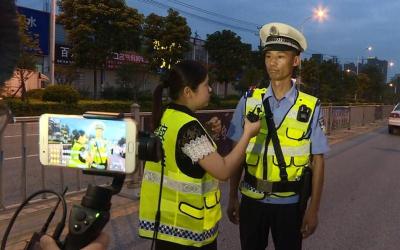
[273, 31]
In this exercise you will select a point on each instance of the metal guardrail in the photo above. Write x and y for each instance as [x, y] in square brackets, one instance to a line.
[335, 117]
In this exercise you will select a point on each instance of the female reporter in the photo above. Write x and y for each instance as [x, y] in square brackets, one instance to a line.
[187, 201]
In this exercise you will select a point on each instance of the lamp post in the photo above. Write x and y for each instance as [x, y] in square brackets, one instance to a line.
[320, 14]
[395, 87]
[369, 48]
[52, 40]
[390, 69]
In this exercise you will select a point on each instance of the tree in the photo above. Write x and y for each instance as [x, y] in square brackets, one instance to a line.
[324, 80]
[228, 54]
[350, 85]
[26, 63]
[167, 39]
[374, 89]
[98, 28]
[65, 74]
[9, 39]
[330, 84]
[252, 76]
[310, 76]
[131, 76]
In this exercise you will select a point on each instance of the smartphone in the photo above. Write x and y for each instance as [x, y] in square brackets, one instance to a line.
[74, 141]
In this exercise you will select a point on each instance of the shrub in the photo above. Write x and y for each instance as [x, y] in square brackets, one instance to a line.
[35, 94]
[61, 93]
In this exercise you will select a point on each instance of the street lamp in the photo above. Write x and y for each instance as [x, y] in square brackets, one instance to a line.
[320, 14]
[369, 49]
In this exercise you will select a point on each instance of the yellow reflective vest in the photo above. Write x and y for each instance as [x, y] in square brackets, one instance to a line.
[98, 149]
[190, 207]
[76, 151]
[294, 137]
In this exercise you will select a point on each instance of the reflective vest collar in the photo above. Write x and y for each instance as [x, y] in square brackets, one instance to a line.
[291, 95]
[181, 108]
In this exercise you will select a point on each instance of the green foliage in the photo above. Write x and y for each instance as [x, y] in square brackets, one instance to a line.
[28, 46]
[326, 81]
[65, 74]
[120, 93]
[9, 49]
[35, 107]
[61, 93]
[35, 94]
[251, 77]
[130, 77]
[374, 87]
[229, 54]
[98, 28]
[167, 39]
[26, 63]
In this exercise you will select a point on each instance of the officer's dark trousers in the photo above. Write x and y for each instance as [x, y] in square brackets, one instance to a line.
[256, 219]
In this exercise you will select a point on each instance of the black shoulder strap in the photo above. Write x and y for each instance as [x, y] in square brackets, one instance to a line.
[275, 140]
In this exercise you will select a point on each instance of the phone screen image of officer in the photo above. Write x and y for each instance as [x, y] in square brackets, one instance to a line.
[87, 143]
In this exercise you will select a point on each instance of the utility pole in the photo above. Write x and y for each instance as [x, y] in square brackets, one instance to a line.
[52, 40]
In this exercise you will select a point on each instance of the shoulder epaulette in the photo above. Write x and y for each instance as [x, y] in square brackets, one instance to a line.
[249, 92]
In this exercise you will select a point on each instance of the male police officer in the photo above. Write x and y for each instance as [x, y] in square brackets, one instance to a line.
[99, 147]
[275, 167]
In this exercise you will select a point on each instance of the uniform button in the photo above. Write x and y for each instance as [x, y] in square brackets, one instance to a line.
[86, 222]
[77, 227]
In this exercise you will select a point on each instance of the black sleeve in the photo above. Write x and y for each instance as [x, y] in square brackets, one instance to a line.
[187, 133]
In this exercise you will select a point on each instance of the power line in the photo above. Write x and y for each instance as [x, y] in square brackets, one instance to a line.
[165, 6]
[214, 13]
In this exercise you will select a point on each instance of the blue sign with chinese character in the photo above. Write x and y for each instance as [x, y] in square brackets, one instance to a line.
[38, 23]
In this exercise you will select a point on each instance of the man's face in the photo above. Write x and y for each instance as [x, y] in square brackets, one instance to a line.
[99, 132]
[280, 64]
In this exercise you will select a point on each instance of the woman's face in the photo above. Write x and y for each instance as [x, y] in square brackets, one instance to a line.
[82, 139]
[201, 96]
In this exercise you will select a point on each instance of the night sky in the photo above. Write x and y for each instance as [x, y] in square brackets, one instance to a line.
[350, 28]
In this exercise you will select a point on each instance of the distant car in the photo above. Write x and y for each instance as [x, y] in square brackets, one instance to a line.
[394, 119]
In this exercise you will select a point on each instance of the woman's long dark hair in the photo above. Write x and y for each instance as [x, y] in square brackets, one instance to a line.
[76, 134]
[185, 73]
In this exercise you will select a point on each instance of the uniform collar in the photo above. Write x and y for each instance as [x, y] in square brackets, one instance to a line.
[290, 95]
[181, 108]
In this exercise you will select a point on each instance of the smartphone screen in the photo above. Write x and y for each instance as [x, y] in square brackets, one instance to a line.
[87, 143]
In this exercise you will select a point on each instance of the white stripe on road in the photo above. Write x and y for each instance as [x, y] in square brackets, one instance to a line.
[10, 136]
[19, 157]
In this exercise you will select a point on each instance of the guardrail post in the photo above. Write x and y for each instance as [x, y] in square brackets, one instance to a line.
[23, 174]
[363, 116]
[134, 179]
[349, 125]
[1, 172]
[330, 119]
[43, 173]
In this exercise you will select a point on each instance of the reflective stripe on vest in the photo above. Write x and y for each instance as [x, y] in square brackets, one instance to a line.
[190, 207]
[183, 187]
[178, 232]
[294, 141]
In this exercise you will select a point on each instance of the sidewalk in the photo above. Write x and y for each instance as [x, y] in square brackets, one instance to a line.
[345, 134]
[33, 217]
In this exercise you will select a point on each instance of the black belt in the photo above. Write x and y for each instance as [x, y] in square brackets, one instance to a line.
[272, 187]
